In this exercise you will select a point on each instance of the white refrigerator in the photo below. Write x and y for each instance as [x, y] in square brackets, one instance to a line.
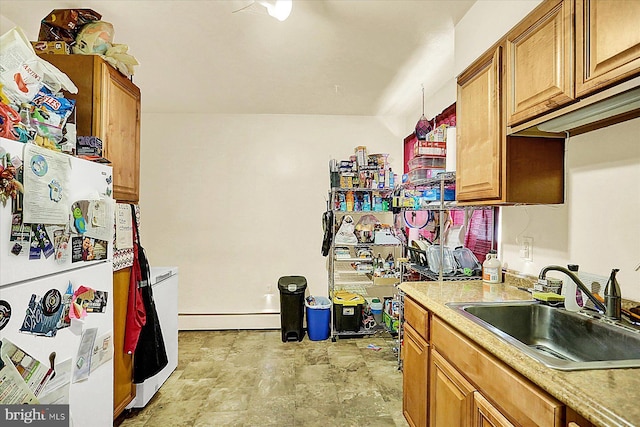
[38, 273]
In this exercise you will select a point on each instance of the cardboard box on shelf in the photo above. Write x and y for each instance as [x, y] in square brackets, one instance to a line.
[55, 47]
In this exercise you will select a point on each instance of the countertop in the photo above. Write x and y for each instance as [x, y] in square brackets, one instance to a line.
[606, 397]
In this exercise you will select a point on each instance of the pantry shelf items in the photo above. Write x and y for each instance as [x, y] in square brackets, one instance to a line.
[362, 268]
[438, 231]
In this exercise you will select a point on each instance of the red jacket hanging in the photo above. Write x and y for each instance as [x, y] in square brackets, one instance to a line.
[136, 313]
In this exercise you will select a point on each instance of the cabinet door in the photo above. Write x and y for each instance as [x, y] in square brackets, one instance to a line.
[124, 390]
[487, 415]
[119, 126]
[414, 377]
[451, 395]
[479, 130]
[539, 62]
[607, 43]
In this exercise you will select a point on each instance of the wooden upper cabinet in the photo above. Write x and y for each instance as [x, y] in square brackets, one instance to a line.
[539, 62]
[107, 106]
[479, 129]
[607, 43]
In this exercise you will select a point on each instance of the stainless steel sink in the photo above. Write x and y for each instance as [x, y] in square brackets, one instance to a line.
[557, 338]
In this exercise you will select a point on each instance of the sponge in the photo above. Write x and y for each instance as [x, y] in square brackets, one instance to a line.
[547, 296]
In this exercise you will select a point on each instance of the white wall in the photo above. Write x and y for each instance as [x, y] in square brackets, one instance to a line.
[598, 227]
[235, 201]
[483, 25]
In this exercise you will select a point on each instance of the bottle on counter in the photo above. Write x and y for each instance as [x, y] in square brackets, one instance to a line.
[492, 268]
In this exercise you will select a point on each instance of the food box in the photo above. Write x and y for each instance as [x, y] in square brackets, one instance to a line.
[55, 47]
[430, 148]
[391, 323]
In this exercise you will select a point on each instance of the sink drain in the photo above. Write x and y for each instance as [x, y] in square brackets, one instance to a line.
[548, 351]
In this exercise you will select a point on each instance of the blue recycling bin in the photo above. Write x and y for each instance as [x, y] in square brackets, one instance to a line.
[318, 318]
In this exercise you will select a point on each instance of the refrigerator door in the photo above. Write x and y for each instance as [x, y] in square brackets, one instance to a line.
[91, 400]
[165, 294]
[87, 180]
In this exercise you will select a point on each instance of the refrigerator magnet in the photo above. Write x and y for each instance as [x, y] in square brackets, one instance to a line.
[5, 313]
[51, 302]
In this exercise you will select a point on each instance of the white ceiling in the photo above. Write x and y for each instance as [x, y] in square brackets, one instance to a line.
[344, 57]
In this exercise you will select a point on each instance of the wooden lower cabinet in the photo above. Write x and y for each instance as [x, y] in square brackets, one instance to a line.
[519, 400]
[124, 390]
[487, 415]
[414, 380]
[448, 381]
[451, 395]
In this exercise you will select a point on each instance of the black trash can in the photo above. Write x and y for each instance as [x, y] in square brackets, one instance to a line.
[292, 307]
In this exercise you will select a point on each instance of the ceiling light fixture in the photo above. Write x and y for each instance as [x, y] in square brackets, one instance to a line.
[423, 127]
[279, 9]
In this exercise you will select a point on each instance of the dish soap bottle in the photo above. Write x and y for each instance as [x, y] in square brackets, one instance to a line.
[612, 297]
[492, 268]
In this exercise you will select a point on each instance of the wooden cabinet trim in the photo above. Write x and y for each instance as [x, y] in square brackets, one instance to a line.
[479, 154]
[451, 395]
[415, 377]
[124, 390]
[516, 397]
[417, 317]
[485, 414]
[541, 86]
[593, 70]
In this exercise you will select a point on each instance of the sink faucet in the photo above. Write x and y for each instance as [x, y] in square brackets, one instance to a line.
[578, 282]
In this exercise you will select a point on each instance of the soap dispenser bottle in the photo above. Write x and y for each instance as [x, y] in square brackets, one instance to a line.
[613, 297]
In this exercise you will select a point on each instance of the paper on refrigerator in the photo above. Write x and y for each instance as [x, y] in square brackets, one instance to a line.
[46, 184]
[33, 372]
[13, 389]
[124, 227]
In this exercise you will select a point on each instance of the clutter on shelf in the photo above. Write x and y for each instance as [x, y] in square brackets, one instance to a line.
[33, 107]
[362, 171]
[82, 31]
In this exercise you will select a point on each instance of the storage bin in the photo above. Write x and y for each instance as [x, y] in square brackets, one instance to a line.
[422, 174]
[318, 317]
[347, 311]
[427, 162]
[376, 310]
[430, 148]
[433, 194]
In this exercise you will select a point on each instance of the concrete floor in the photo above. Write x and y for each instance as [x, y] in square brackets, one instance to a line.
[252, 378]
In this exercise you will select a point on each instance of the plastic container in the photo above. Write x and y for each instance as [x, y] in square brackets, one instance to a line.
[318, 317]
[347, 311]
[292, 290]
[492, 268]
[467, 261]
[448, 263]
[422, 174]
[433, 194]
[427, 162]
[376, 309]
